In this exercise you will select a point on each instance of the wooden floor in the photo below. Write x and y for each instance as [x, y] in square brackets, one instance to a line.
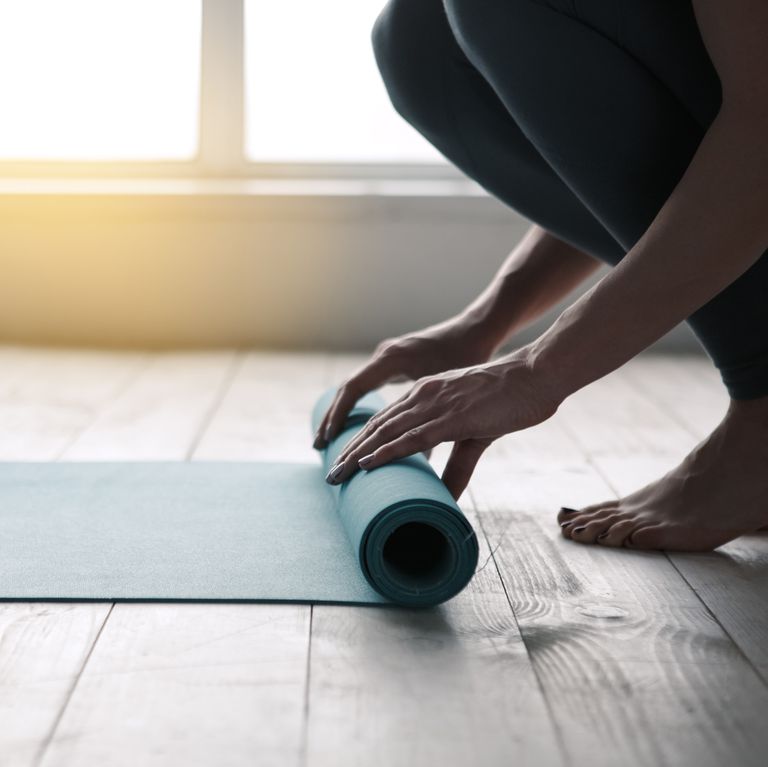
[556, 654]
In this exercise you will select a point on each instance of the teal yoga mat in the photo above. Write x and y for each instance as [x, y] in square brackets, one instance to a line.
[233, 531]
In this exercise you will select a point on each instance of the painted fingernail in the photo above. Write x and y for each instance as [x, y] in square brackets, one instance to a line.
[366, 460]
[327, 435]
[568, 510]
[334, 473]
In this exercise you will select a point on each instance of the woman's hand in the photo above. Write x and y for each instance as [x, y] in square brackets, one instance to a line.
[455, 343]
[470, 407]
[538, 273]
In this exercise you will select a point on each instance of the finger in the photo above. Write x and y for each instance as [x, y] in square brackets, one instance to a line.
[402, 403]
[379, 420]
[319, 440]
[461, 464]
[416, 440]
[346, 466]
[368, 378]
[387, 430]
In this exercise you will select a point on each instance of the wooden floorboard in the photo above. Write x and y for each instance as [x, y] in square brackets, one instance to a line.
[184, 683]
[732, 581]
[47, 398]
[631, 661]
[452, 686]
[556, 654]
[635, 442]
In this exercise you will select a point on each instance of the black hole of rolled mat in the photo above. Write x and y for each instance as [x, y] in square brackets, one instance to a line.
[417, 556]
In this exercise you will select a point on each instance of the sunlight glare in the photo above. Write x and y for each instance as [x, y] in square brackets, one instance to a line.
[99, 79]
[313, 91]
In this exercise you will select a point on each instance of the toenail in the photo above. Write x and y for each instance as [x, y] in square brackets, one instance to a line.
[578, 529]
[568, 510]
[565, 524]
[602, 535]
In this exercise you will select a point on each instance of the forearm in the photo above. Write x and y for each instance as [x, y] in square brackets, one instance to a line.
[538, 273]
[713, 227]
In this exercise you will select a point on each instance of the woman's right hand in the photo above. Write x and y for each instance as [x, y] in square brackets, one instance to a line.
[455, 343]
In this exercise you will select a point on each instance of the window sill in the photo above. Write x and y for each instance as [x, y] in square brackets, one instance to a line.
[241, 187]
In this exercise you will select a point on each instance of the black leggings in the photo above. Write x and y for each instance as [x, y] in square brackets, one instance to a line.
[582, 115]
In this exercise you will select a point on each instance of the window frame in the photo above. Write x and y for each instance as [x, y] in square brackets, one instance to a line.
[221, 138]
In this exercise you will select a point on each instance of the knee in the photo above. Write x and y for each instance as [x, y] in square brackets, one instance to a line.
[466, 20]
[400, 46]
[475, 23]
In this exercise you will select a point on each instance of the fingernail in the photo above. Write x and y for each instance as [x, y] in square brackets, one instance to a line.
[334, 473]
[568, 510]
[578, 529]
[318, 440]
[602, 535]
[366, 460]
[327, 434]
[565, 524]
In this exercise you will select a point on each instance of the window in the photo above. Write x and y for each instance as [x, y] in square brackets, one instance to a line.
[313, 91]
[99, 79]
[214, 87]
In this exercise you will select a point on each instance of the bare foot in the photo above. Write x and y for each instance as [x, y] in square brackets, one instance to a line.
[719, 492]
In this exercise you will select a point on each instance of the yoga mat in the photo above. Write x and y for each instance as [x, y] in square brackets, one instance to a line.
[234, 531]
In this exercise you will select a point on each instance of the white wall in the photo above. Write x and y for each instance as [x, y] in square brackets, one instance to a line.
[222, 269]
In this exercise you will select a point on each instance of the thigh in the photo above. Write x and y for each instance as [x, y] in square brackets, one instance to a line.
[437, 89]
[618, 94]
[664, 36]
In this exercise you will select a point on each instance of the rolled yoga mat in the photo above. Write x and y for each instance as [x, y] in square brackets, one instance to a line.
[234, 531]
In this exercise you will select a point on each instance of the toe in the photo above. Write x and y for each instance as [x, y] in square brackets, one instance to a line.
[572, 523]
[583, 519]
[616, 534]
[584, 533]
[566, 513]
[598, 525]
[648, 538]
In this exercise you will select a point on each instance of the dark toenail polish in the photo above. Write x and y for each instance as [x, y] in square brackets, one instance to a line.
[578, 529]
[568, 510]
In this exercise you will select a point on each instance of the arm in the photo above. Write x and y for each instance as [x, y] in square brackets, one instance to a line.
[712, 228]
[539, 272]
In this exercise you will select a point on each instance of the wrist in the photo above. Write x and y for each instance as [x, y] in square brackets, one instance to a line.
[481, 331]
[492, 319]
[553, 362]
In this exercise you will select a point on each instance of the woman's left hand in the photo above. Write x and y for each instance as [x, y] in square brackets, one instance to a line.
[470, 407]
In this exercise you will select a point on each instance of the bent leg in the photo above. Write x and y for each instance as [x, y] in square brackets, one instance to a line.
[435, 88]
[621, 131]
[617, 101]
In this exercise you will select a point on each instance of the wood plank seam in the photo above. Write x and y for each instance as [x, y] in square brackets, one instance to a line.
[207, 419]
[55, 726]
[304, 744]
[661, 407]
[670, 556]
[561, 745]
[122, 386]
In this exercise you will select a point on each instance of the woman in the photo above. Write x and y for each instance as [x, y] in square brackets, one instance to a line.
[631, 131]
